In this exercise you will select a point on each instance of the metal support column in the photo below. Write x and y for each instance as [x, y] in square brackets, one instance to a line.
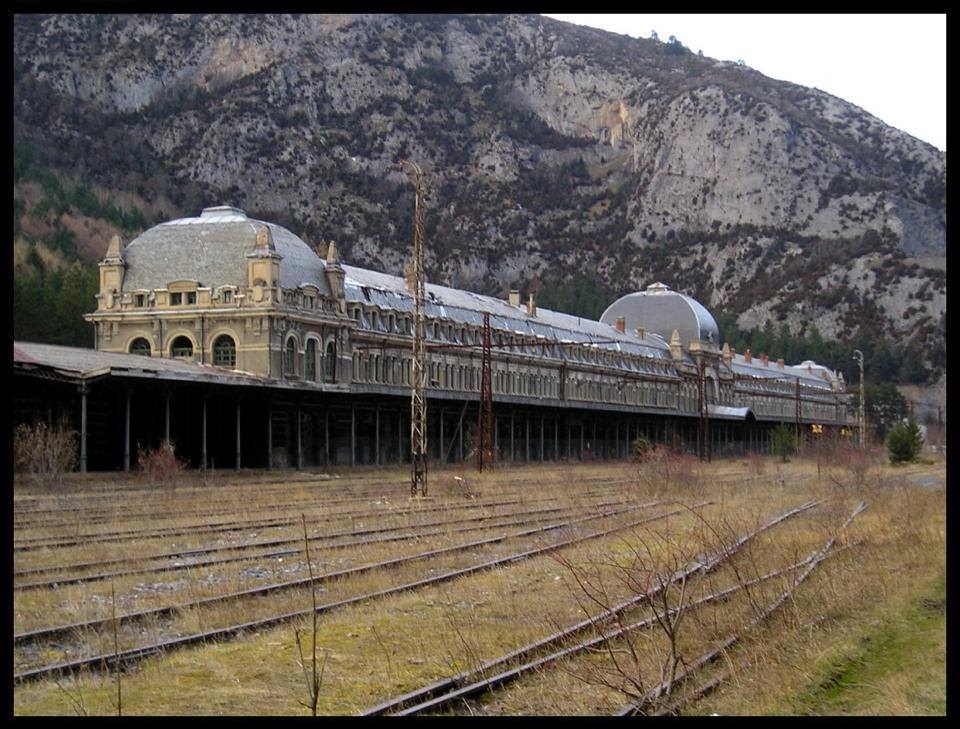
[353, 436]
[299, 440]
[126, 433]
[556, 438]
[527, 459]
[83, 427]
[441, 454]
[541, 438]
[376, 433]
[269, 435]
[238, 461]
[203, 439]
[326, 435]
[166, 416]
[513, 455]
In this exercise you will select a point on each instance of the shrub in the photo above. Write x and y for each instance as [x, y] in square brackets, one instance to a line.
[904, 442]
[45, 452]
[667, 467]
[783, 441]
[160, 467]
[641, 449]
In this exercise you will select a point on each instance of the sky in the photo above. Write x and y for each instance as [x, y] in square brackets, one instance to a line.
[892, 65]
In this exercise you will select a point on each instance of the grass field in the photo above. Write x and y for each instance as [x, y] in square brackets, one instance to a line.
[864, 635]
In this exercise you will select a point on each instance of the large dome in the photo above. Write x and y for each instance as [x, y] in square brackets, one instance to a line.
[659, 309]
[212, 250]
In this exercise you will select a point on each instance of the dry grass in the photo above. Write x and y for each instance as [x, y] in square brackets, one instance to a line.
[386, 646]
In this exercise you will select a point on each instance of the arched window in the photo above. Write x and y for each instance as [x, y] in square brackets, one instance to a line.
[140, 346]
[330, 362]
[310, 361]
[225, 351]
[290, 357]
[181, 347]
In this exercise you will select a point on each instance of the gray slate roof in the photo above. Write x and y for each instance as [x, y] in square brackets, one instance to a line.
[211, 249]
[660, 309]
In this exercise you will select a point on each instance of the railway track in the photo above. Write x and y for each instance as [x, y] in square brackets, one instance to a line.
[62, 575]
[23, 517]
[132, 654]
[480, 680]
[705, 659]
[247, 524]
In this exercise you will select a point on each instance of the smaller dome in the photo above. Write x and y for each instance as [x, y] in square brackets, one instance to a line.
[660, 309]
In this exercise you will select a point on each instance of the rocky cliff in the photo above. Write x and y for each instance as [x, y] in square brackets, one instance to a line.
[549, 148]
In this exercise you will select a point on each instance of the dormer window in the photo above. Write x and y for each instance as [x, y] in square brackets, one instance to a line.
[227, 296]
[191, 297]
[139, 300]
[176, 299]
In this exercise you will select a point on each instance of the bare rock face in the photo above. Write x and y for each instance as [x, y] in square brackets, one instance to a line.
[549, 149]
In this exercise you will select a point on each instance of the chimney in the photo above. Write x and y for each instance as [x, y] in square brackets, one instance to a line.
[408, 275]
[639, 332]
[725, 353]
[764, 359]
[780, 362]
[747, 358]
[514, 298]
[621, 324]
[531, 305]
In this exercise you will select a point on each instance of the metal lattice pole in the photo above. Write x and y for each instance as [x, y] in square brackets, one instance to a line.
[703, 430]
[418, 399]
[485, 410]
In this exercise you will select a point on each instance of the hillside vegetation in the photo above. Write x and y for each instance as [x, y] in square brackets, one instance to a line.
[559, 159]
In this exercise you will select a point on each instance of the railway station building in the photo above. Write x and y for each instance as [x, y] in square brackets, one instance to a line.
[248, 348]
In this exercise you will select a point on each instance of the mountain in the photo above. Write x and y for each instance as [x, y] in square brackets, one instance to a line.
[554, 154]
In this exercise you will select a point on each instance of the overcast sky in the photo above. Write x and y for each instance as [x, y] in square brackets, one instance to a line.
[893, 66]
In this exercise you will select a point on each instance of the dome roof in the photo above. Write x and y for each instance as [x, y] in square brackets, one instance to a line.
[659, 309]
[212, 250]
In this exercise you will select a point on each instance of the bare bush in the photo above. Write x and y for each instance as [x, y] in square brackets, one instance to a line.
[45, 452]
[757, 463]
[848, 465]
[160, 466]
[667, 467]
[641, 662]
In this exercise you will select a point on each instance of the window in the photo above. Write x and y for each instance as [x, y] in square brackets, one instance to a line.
[227, 296]
[310, 361]
[191, 297]
[330, 363]
[290, 358]
[139, 300]
[176, 299]
[140, 346]
[225, 351]
[181, 347]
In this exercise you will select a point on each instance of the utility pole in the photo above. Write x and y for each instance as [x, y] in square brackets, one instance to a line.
[485, 409]
[703, 428]
[858, 356]
[418, 398]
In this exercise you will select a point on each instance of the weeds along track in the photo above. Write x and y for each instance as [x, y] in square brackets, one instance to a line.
[502, 670]
[666, 687]
[82, 599]
[65, 509]
[371, 504]
[87, 641]
[319, 513]
[185, 560]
